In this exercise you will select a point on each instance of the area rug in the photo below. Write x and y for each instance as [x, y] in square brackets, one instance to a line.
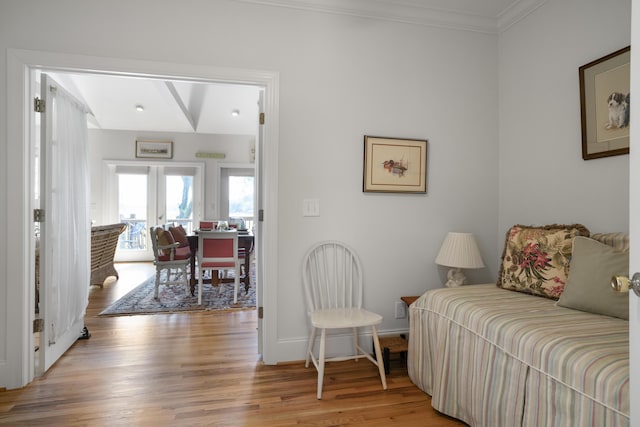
[173, 298]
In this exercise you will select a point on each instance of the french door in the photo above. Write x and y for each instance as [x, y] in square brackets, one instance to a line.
[142, 195]
[63, 227]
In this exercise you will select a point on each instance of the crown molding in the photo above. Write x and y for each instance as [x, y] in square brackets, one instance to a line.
[517, 11]
[410, 12]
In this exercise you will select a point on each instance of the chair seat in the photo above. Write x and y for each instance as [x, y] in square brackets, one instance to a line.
[180, 253]
[344, 318]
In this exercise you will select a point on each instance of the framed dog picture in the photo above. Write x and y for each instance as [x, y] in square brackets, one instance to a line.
[605, 103]
[394, 165]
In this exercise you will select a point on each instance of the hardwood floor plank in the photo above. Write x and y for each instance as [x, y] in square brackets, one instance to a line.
[202, 368]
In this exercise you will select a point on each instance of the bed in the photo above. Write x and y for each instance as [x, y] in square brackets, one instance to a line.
[491, 356]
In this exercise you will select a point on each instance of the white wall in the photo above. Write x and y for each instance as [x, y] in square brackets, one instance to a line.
[543, 178]
[120, 145]
[344, 77]
[340, 78]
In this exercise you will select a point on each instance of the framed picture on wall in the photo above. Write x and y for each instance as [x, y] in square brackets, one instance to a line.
[154, 149]
[605, 104]
[394, 165]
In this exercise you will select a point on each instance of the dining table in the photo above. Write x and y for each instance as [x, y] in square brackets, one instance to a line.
[245, 241]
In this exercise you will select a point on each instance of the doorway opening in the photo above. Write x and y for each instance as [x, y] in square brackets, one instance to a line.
[20, 64]
[258, 246]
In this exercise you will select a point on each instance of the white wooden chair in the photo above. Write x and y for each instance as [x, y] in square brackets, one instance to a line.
[169, 256]
[218, 250]
[332, 279]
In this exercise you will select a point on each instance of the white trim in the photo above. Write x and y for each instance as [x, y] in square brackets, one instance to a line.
[16, 368]
[338, 341]
[15, 365]
[516, 12]
[409, 12]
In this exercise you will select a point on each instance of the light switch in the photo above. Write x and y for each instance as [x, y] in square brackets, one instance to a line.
[311, 207]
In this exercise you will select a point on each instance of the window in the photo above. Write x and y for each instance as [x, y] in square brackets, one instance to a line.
[241, 196]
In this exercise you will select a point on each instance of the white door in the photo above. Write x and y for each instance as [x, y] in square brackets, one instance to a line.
[634, 223]
[65, 232]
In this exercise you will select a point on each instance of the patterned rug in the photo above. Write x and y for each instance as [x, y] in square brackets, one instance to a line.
[173, 298]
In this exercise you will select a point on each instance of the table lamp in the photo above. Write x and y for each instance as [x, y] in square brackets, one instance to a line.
[459, 250]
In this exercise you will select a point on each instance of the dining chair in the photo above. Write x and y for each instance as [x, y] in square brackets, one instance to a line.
[208, 225]
[169, 256]
[333, 286]
[218, 250]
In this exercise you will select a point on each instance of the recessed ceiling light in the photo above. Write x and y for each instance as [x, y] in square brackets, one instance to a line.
[139, 107]
[235, 113]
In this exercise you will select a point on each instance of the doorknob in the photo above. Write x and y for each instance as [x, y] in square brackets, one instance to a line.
[622, 283]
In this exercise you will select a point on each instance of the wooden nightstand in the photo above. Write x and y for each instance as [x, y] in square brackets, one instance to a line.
[397, 344]
[409, 300]
[393, 345]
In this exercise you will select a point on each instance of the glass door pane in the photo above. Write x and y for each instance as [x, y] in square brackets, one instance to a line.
[179, 200]
[132, 210]
[241, 198]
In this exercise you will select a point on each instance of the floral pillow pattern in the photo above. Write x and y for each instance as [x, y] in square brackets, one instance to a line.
[536, 259]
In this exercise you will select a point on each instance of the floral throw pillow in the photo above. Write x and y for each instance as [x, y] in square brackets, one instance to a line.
[536, 259]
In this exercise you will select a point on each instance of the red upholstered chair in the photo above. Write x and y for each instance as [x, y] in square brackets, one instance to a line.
[169, 256]
[218, 250]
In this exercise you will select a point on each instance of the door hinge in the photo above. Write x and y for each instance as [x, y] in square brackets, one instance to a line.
[38, 105]
[38, 325]
[38, 215]
[261, 118]
[260, 312]
[260, 215]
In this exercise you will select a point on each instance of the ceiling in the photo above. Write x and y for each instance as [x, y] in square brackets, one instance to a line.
[167, 105]
[206, 108]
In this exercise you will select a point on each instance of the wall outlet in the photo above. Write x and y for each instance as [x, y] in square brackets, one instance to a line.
[401, 310]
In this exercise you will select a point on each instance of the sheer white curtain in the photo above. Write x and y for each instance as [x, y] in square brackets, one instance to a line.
[68, 228]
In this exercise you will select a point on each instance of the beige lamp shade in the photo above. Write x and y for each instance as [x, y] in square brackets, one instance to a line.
[459, 250]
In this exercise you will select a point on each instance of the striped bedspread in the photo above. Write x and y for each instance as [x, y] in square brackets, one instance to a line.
[493, 357]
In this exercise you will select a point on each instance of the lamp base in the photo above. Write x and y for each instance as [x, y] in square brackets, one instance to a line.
[456, 278]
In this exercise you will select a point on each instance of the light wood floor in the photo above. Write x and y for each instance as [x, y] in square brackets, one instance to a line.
[201, 369]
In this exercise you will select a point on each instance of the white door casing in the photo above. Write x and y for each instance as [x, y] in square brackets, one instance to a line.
[16, 359]
[258, 207]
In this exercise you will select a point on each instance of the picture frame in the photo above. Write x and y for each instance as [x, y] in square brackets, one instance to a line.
[154, 149]
[394, 165]
[604, 105]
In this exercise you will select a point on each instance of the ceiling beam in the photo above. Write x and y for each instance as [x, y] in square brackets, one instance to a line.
[183, 108]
